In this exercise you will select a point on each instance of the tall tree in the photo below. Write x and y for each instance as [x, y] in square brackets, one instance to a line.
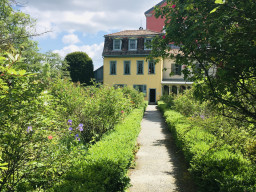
[217, 40]
[80, 67]
[14, 26]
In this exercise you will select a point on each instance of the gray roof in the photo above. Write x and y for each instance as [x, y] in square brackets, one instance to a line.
[133, 33]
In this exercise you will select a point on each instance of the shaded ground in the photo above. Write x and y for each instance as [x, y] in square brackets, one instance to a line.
[160, 166]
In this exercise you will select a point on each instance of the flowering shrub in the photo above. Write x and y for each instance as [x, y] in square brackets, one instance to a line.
[45, 127]
[105, 167]
[98, 108]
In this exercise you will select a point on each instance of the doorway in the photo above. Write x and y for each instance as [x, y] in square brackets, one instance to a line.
[152, 96]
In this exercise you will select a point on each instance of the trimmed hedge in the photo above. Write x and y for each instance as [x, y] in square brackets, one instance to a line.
[214, 168]
[105, 167]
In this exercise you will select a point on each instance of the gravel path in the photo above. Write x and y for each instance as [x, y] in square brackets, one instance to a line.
[160, 165]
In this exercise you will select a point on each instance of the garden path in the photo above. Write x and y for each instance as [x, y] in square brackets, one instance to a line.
[160, 166]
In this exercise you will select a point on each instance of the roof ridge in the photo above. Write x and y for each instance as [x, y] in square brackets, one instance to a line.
[134, 33]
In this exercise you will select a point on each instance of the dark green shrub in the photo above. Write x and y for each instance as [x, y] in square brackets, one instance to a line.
[80, 67]
[215, 164]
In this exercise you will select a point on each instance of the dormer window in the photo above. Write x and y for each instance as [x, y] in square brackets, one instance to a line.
[132, 44]
[117, 43]
[147, 44]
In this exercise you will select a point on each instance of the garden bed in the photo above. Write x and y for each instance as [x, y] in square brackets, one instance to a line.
[215, 168]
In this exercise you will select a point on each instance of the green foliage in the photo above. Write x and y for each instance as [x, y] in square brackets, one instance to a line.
[136, 97]
[187, 105]
[99, 108]
[14, 26]
[168, 99]
[106, 165]
[214, 155]
[80, 67]
[37, 146]
[217, 44]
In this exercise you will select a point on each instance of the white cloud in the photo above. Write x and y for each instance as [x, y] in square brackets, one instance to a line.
[70, 39]
[88, 16]
[85, 17]
[94, 51]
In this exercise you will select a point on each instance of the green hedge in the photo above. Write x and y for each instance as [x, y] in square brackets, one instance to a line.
[215, 168]
[105, 167]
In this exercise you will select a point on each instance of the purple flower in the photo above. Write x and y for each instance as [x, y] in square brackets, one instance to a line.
[69, 122]
[29, 129]
[80, 127]
[77, 137]
[202, 117]
[70, 128]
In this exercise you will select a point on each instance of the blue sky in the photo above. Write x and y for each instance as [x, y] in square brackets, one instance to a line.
[79, 25]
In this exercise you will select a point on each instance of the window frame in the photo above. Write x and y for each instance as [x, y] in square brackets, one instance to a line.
[144, 88]
[145, 42]
[129, 44]
[129, 63]
[120, 44]
[111, 63]
[138, 67]
[150, 73]
[176, 69]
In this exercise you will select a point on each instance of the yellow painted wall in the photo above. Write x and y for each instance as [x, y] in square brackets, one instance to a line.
[153, 81]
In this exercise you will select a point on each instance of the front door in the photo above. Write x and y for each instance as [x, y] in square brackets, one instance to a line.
[152, 96]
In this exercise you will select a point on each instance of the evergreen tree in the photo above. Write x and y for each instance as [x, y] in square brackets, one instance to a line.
[80, 67]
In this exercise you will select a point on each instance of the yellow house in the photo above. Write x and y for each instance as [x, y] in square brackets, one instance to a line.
[125, 64]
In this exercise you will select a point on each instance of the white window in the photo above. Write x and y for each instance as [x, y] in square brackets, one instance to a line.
[141, 88]
[147, 44]
[132, 44]
[117, 43]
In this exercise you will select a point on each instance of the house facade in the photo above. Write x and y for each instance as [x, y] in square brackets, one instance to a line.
[125, 62]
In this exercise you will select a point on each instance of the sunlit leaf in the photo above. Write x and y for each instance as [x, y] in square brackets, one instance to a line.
[219, 2]
[215, 9]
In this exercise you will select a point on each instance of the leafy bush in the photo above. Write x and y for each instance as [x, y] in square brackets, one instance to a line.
[34, 149]
[168, 99]
[187, 105]
[99, 108]
[37, 143]
[105, 167]
[137, 98]
[216, 165]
